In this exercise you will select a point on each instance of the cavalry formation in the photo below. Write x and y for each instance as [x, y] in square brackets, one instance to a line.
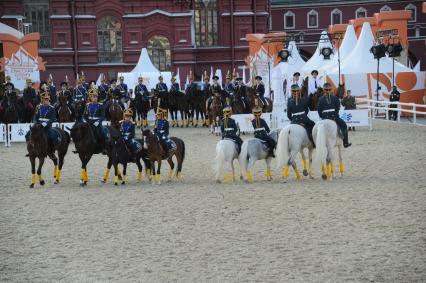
[212, 103]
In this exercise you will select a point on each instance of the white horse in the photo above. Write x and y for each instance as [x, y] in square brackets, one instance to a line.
[226, 152]
[292, 140]
[252, 150]
[326, 136]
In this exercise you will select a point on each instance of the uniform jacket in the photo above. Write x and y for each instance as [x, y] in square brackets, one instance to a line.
[127, 130]
[297, 113]
[262, 130]
[326, 104]
[94, 112]
[162, 129]
[231, 129]
[45, 114]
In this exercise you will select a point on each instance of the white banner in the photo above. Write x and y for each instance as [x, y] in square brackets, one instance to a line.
[244, 121]
[17, 132]
[2, 132]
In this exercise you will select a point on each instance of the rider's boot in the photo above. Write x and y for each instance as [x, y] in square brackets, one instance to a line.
[346, 142]
[311, 138]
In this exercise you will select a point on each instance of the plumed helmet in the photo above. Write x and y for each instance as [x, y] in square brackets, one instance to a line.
[93, 92]
[128, 112]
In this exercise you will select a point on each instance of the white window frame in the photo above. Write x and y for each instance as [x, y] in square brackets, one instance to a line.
[412, 7]
[289, 13]
[335, 11]
[360, 9]
[312, 12]
[385, 8]
[417, 32]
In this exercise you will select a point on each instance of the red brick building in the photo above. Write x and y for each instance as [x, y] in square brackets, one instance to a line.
[307, 18]
[106, 36]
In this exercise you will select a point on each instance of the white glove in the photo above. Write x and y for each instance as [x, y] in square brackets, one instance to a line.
[44, 124]
[96, 123]
[164, 138]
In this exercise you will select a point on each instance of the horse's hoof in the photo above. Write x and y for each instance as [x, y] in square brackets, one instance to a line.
[324, 177]
[82, 184]
[42, 182]
[218, 181]
[123, 183]
[305, 173]
[56, 182]
[104, 181]
[31, 186]
[115, 184]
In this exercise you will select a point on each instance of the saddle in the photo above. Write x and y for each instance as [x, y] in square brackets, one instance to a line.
[56, 136]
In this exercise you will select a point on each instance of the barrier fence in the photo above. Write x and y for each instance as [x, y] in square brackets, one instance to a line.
[360, 118]
[375, 106]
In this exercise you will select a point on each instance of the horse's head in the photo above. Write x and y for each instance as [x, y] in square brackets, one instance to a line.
[38, 133]
[146, 137]
[79, 131]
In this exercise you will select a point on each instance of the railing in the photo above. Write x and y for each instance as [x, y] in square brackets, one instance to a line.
[383, 105]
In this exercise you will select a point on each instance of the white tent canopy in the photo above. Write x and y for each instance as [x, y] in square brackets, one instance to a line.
[317, 60]
[144, 68]
[361, 60]
[9, 30]
[348, 44]
[285, 70]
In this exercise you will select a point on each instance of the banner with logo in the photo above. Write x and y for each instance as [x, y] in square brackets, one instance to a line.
[244, 121]
[21, 60]
[2, 132]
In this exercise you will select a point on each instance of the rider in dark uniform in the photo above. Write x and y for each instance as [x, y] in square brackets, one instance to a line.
[297, 111]
[45, 115]
[30, 94]
[328, 108]
[175, 86]
[261, 130]
[80, 92]
[229, 128]
[394, 97]
[103, 90]
[95, 114]
[141, 90]
[161, 87]
[215, 89]
[260, 89]
[113, 93]
[241, 90]
[52, 90]
[229, 85]
[127, 129]
[161, 129]
[123, 88]
[65, 92]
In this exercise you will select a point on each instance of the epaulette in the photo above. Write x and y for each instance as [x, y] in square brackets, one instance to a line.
[51, 106]
[100, 103]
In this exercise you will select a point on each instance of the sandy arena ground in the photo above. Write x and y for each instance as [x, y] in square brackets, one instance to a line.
[369, 226]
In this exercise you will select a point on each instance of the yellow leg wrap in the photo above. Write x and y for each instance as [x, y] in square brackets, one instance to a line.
[341, 168]
[82, 175]
[268, 173]
[249, 176]
[322, 168]
[40, 178]
[115, 179]
[158, 178]
[208, 122]
[304, 164]
[170, 173]
[123, 178]
[298, 177]
[226, 177]
[233, 177]
[148, 173]
[58, 175]
[106, 175]
[139, 176]
[332, 167]
[86, 178]
[55, 171]
[182, 122]
[285, 171]
[33, 179]
[328, 173]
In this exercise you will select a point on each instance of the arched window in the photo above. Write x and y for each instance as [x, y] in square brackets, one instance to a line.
[37, 13]
[413, 10]
[110, 45]
[312, 19]
[385, 8]
[289, 20]
[159, 52]
[336, 17]
[206, 31]
[361, 13]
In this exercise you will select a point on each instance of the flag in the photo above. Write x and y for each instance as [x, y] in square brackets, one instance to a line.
[99, 81]
[219, 74]
[211, 75]
[178, 77]
[187, 81]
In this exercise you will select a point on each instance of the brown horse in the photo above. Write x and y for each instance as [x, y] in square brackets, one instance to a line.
[215, 113]
[64, 112]
[115, 113]
[156, 153]
[252, 97]
[38, 147]
[313, 99]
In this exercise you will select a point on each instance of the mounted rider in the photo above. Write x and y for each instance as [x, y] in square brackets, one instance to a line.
[94, 114]
[45, 116]
[65, 92]
[113, 94]
[229, 85]
[80, 92]
[205, 85]
[297, 111]
[259, 89]
[83, 81]
[261, 129]
[328, 108]
[241, 90]
[175, 86]
[52, 89]
[161, 128]
[215, 89]
[161, 87]
[229, 128]
[127, 129]
[141, 91]
[103, 89]
[124, 93]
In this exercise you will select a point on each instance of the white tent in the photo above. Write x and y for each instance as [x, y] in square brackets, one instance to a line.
[348, 44]
[147, 70]
[9, 30]
[285, 70]
[317, 60]
[361, 60]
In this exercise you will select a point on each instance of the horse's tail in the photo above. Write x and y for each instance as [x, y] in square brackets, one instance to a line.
[282, 152]
[321, 144]
[182, 156]
[219, 160]
[244, 157]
